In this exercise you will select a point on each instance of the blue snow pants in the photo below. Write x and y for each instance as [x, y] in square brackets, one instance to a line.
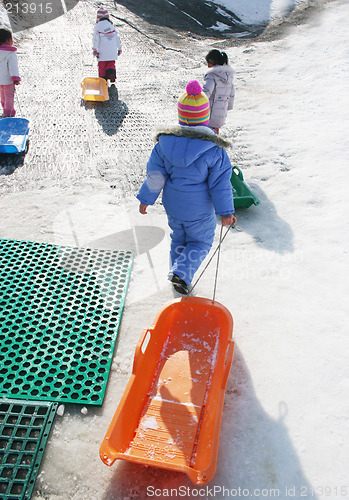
[190, 243]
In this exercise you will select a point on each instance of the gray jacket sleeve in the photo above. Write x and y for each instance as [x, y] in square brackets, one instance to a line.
[231, 97]
[209, 85]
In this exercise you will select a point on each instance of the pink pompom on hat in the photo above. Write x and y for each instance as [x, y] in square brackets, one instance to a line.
[102, 13]
[193, 105]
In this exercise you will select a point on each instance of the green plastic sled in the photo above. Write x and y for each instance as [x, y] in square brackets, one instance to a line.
[243, 196]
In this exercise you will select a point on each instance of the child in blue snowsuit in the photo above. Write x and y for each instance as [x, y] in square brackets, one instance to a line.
[190, 164]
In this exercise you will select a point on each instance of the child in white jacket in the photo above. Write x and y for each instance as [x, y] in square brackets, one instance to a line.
[219, 87]
[9, 74]
[106, 45]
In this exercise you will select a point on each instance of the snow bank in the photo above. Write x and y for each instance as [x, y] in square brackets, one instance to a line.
[260, 11]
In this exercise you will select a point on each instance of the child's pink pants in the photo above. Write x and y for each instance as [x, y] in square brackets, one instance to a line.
[7, 99]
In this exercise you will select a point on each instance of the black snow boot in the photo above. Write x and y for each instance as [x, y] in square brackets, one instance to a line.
[110, 74]
[178, 284]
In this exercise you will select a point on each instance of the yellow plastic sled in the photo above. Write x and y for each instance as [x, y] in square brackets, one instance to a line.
[94, 89]
[170, 413]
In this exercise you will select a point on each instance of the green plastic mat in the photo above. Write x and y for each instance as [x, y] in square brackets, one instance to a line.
[24, 429]
[60, 309]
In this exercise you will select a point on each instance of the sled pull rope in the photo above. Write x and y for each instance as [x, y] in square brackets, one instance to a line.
[214, 253]
[217, 265]
[17, 99]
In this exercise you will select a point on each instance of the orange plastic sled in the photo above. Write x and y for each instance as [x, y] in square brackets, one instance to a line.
[170, 413]
[94, 89]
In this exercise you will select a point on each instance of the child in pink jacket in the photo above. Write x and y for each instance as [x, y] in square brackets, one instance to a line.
[9, 74]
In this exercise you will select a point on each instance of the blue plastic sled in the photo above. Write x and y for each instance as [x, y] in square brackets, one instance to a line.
[14, 135]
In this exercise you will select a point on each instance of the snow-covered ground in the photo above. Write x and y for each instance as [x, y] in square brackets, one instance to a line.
[261, 11]
[285, 424]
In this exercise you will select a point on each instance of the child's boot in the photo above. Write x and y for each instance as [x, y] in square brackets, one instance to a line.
[178, 284]
[111, 75]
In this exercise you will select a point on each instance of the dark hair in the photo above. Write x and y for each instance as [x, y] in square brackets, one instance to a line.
[105, 19]
[5, 35]
[217, 58]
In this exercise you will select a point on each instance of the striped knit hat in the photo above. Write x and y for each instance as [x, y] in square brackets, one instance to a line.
[102, 13]
[193, 106]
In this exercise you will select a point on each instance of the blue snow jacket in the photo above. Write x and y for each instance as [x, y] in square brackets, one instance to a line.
[192, 167]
